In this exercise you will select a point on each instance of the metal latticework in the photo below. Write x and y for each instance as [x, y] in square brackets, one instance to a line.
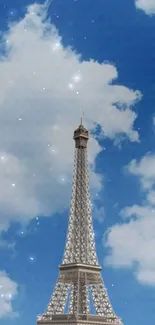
[59, 298]
[79, 301]
[80, 273]
[101, 301]
[80, 244]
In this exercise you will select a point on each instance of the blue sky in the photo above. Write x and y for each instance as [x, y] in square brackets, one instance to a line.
[54, 59]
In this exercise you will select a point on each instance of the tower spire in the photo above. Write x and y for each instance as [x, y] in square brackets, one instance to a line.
[80, 273]
[82, 115]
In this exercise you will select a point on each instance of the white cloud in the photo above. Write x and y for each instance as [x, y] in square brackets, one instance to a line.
[145, 169]
[42, 88]
[131, 243]
[8, 290]
[147, 5]
[151, 197]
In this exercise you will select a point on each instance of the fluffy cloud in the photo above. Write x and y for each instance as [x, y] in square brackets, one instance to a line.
[42, 88]
[145, 169]
[8, 290]
[131, 242]
[147, 5]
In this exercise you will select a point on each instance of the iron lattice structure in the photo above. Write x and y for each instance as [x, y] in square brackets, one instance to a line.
[80, 274]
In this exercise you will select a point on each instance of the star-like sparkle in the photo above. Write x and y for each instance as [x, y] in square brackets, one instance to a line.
[77, 78]
[70, 86]
[57, 46]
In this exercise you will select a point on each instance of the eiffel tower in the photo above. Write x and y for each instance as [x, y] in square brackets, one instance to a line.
[80, 276]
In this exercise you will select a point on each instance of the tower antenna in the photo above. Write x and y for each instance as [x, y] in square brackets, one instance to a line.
[82, 115]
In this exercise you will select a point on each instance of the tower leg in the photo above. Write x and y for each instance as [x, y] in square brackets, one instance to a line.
[101, 300]
[58, 300]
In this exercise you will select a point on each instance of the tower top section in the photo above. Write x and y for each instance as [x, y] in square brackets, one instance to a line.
[81, 136]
